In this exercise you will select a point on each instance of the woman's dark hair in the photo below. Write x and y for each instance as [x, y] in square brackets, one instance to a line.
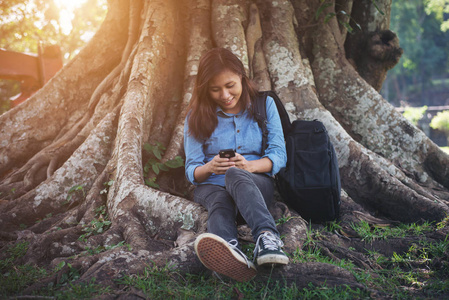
[202, 109]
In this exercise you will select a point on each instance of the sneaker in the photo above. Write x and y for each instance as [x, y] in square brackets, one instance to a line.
[268, 250]
[224, 257]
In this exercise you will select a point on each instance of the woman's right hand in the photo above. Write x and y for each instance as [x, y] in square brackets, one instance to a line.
[220, 165]
[217, 165]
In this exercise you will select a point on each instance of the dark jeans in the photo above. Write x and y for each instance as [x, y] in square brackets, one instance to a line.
[245, 192]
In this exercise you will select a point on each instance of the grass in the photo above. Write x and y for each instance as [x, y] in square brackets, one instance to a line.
[445, 149]
[163, 283]
[420, 272]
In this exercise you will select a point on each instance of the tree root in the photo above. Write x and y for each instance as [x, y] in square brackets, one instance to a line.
[80, 170]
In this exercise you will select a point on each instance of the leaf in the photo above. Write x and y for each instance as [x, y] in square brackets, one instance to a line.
[321, 8]
[160, 146]
[148, 147]
[377, 7]
[163, 167]
[175, 163]
[75, 188]
[151, 183]
[155, 169]
[328, 17]
[157, 153]
[347, 26]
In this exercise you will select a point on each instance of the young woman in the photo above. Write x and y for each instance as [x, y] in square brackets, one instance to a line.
[220, 116]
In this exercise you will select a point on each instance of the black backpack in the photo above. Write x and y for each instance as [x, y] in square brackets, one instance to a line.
[310, 183]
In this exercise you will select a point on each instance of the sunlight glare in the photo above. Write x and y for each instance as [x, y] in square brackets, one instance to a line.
[66, 8]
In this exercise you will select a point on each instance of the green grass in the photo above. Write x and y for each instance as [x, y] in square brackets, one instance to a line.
[163, 283]
[370, 233]
[14, 278]
[420, 272]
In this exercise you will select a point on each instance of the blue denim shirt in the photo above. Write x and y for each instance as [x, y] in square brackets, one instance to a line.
[241, 133]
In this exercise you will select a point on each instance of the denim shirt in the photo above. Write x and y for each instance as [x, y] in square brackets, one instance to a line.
[241, 133]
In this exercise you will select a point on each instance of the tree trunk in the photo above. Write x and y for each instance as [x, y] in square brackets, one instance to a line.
[131, 85]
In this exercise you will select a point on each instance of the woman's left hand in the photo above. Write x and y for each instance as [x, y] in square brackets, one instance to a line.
[262, 165]
[241, 162]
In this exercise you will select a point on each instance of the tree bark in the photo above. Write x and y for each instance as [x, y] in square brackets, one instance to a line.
[131, 85]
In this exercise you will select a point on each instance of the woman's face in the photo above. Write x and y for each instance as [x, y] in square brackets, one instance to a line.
[225, 89]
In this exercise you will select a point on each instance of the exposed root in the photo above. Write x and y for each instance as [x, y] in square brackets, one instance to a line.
[81, 170]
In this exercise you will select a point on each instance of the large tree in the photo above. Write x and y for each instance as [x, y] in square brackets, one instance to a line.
[80, 173]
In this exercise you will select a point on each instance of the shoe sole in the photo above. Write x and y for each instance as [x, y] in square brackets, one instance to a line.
[272, 259]
[215, 253]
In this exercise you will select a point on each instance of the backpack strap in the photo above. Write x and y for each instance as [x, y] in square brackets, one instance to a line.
[261, 115]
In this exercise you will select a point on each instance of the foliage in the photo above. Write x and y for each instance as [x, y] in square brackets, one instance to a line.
[441, 121]
[14, 278]
[439, 8]
[98, 225]
[370, 232]
[414, 114]
[25, 23]
[419, 272]
[338, 13]
[155, 164]
[425, 58]
[162, 283]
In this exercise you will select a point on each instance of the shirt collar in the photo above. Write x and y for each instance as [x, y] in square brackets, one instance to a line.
[223, 114]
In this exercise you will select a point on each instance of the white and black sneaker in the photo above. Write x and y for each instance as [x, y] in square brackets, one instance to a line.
[224, 257]
[268, 250]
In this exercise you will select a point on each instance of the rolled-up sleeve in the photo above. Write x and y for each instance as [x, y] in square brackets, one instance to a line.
[276, 146]
[194, 153]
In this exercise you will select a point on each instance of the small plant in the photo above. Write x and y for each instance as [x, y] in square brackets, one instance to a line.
[13, 278]
[155, 164]
[107, 185]
[100, 249]
[283, 220]
[325, 4]
[443, 223]
[370, 232]
[98, 225]
[72, 191]
[71, 275]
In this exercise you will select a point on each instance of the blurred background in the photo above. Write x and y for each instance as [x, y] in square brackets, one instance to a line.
[37, 37]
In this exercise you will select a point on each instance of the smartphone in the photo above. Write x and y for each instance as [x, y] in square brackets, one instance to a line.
[227, 153]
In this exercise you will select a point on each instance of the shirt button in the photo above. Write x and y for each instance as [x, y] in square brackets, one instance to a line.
[238, 130]
[239, 147]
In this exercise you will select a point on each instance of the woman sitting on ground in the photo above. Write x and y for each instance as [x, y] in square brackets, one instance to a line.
[220, 116]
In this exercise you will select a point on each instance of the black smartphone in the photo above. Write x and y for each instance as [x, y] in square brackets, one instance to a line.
[227, 153]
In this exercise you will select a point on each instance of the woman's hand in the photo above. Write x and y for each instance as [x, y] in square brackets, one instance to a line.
[217, 165]
[241, 162]
[262, 165]
[220, 165]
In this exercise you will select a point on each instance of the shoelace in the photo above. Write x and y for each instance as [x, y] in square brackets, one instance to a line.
[270, 242]
[233, 244]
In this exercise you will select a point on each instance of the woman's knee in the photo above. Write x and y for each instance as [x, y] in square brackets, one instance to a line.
[235, 174]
